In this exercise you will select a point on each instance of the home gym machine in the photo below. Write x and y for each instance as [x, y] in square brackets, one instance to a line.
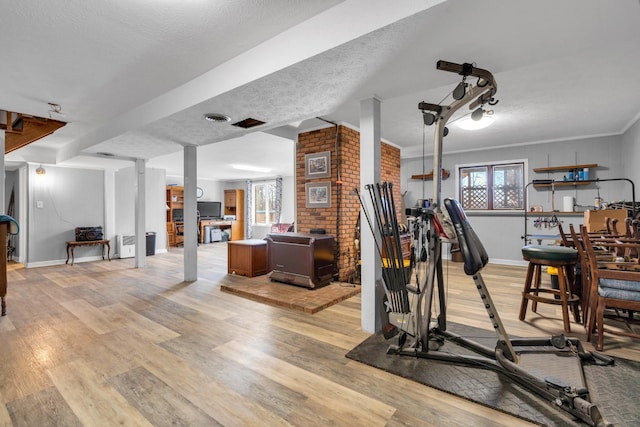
[410, 290]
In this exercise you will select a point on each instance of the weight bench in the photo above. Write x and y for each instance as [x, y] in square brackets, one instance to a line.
[568, 392]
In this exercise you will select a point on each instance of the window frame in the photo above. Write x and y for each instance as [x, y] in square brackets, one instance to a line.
[269, 210]
[490, 165]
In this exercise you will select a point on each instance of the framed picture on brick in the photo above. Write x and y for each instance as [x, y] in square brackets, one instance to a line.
[317, 165]
[318, 194]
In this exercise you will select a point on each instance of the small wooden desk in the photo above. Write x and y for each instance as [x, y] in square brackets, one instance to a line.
[71, 245]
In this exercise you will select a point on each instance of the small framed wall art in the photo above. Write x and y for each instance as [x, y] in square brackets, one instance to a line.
[318, 194]
[317, 165]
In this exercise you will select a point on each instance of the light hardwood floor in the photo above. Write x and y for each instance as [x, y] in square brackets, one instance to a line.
[103, 343]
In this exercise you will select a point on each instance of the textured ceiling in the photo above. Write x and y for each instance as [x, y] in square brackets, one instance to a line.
[135, 80]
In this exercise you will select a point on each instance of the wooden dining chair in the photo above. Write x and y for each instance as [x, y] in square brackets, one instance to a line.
[614, 288]
[583, 274]
[612, 226]
[566, 238]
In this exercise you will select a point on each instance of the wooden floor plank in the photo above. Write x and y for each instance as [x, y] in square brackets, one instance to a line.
[318, 333]
[346, 406]
[158, 402]
[91, 399]
[217, 400]
[45, 408]
[93, 317]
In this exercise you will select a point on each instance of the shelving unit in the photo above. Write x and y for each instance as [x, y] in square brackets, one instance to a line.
[562, 183]
[528, 237]
[175, 200]
[552, 183]
[234, 205]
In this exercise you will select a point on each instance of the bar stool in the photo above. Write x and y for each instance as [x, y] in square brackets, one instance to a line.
[563, 259]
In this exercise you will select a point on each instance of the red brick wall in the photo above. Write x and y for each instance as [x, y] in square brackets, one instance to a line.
[341, 218]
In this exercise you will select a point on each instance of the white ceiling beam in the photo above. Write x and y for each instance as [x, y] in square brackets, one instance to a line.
[346, 21]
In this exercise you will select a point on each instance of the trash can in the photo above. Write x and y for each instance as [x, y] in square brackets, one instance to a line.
[151, 243]
[207, 234]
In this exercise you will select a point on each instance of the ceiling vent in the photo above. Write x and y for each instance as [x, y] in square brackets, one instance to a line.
[217, 118]
[248, 123]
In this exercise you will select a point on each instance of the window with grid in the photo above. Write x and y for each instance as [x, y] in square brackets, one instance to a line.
[498, 186]
[264, 203]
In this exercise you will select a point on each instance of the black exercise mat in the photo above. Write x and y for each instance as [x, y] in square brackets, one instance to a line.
[615, 389]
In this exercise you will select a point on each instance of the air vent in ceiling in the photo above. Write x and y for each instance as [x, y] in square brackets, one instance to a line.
[217, 118]
[248, 123]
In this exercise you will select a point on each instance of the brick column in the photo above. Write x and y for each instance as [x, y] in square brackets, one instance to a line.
[341, 218]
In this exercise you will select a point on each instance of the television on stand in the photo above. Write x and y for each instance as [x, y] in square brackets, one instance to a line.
[210, 210]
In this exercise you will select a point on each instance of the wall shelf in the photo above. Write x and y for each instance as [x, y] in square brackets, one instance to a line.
[561, 183]
[573, 169]
[428, 176]
[546, 213]
[565, 168]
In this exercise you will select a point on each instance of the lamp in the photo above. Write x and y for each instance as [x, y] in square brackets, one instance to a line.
[470, 124]
[478, 119]
[477, 114]
[41, 171]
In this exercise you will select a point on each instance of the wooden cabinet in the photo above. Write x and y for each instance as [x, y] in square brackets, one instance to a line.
[171, 234]
[596, 220]
[175, 213]
[247, 257]
[234, 205]
[406, 241]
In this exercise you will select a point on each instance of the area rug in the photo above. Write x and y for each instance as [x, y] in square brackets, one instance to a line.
[310, 301]
[613, 388]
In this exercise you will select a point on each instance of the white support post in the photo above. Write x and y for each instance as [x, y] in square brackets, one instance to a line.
[190, 218]
[140, 223]
[370, 167]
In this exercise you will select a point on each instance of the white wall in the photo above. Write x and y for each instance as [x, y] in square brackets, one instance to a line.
[502, 234]
[155, 217]
[631, 154]
[212, 191]
[60, 201]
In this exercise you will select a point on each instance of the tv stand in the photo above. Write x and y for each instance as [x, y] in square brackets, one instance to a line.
[301, 259]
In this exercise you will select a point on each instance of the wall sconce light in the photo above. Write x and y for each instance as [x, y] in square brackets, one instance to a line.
[41, 171]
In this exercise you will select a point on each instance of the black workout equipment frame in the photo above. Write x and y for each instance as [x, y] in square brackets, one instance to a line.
[409, 304]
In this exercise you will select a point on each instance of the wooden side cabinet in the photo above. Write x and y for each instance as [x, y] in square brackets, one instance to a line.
[234, 205]
[247, 257]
